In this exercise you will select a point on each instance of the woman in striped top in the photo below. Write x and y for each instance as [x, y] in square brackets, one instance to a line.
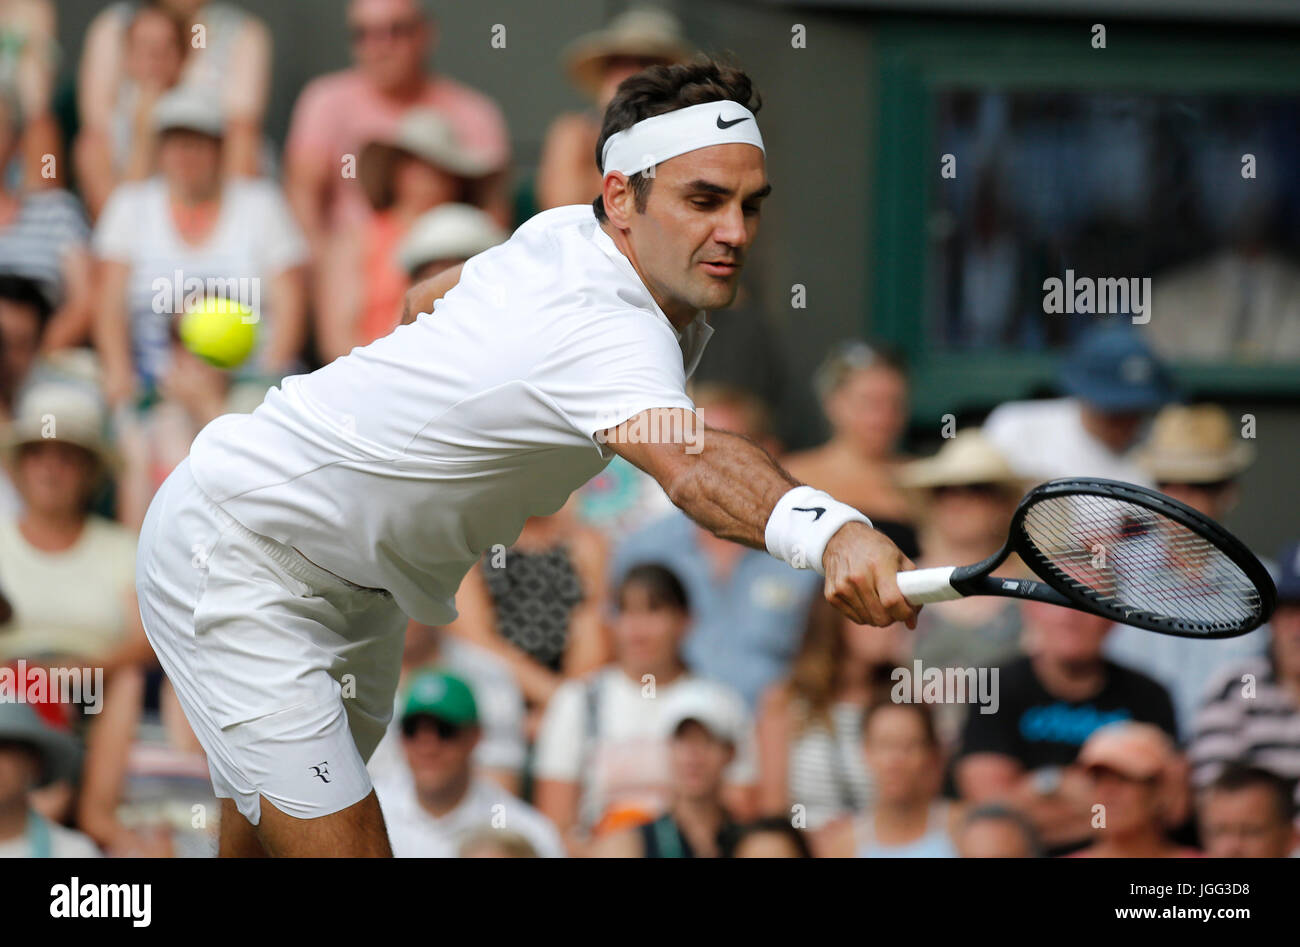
[810, 762]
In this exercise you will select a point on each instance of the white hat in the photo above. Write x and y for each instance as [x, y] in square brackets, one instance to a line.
[428, 135]
[64, 411]
[188, 109]
[448, 232]
[707, 704]
[647, 32]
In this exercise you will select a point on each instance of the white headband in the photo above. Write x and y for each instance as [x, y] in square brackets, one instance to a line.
[661, 137]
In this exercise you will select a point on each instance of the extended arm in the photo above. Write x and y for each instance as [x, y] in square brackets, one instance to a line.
[731, 486]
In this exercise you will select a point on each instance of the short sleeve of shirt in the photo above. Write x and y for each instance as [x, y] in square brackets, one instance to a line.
[631, 363]
[561, 737]
[311, 124]
[115, 232]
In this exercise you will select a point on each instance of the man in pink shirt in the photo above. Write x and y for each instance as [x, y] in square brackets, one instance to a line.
[337, 113]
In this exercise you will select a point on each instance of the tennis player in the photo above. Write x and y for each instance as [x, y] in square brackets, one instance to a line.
[279, 562]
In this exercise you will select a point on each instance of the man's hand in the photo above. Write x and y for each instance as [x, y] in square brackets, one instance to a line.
[860, 565]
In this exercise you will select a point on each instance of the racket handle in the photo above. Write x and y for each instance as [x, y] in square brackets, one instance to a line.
[923, 586]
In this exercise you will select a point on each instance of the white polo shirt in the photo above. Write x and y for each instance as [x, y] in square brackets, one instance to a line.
[399, 464]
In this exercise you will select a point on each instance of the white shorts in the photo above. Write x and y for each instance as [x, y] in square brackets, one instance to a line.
[286, 672]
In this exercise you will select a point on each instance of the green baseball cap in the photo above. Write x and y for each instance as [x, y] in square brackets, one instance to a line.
[440, 695]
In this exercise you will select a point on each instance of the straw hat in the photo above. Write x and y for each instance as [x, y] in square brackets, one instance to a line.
[967, 458]
[61, 411]
[648, 32]
[426, 134]
[448, 232]
[1194, 444]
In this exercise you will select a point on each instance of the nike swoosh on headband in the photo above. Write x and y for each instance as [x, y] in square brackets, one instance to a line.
[734, 121]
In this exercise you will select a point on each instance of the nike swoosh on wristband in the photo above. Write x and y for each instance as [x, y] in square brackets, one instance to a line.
[734, 121]
[816, 510]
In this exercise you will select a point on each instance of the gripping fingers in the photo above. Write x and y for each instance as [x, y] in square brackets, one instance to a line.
[858, 601]
[891, 598]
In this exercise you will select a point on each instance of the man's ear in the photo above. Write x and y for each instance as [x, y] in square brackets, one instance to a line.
[619, 199]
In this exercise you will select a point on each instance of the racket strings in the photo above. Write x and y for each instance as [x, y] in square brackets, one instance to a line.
[1134, 560]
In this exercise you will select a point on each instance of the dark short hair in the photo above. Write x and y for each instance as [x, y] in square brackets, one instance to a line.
[999, 812]
[1238, 776]
[773, 825]
[660, 89]
[660, 583]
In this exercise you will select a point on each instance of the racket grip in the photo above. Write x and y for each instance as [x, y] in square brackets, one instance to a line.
[923, 586]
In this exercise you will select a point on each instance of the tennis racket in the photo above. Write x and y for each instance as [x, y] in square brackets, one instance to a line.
[1121, 551]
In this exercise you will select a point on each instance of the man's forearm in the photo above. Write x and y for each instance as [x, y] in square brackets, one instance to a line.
[731, 487]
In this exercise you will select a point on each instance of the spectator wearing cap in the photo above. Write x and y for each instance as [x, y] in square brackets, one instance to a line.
[336, 114]
[1113, 383]
[501, 749]
[863, 392]
[601, 760]
[965, 496]
[996, 831]
[595, 64]
[702, 735]
[34, 754]
[1195, 456]
[230, 68]
[420, 166]
[58, 457]
[190, 224]
[119, 145]
[809, 723]
[1251, 710]
[44, 238]
[445, 237]
[1249, 812]
[749, 610]
[446, 802]
[1139, 780]
[908, 819]
[1049, 703]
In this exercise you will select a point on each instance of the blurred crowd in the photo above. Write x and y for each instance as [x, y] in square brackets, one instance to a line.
[618, 682]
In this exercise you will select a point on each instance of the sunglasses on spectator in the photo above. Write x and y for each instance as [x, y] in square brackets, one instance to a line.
[397, 29]
[416, 722]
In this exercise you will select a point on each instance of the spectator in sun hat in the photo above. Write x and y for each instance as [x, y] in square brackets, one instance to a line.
[336, 114]
[417, 168]
[58, 456]
[445, 236]
[702, 733]
[1139, 777]
[34, 754]
[445, 802]
[596, 63]
[966, 494]
[1112, 383]
[1195, 455]
[1251, 709]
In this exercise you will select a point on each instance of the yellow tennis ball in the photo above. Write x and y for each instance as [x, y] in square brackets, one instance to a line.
[222, 332]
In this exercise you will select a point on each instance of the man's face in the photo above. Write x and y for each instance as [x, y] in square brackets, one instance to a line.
[993, 838]
[899, 754]
[1063, 634]
[698, 760]
[20, 337]
[437, 751]
[870, 407]
[1245, 823]
[1118, 430]
[699, 223]
[1130, 803]
[390, 39]
[190, 160]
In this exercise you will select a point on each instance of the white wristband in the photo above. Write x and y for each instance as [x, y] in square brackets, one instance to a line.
[803, 522]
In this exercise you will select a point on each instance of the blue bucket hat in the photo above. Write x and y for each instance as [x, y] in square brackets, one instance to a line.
[1288, 574]
[1113, 369]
